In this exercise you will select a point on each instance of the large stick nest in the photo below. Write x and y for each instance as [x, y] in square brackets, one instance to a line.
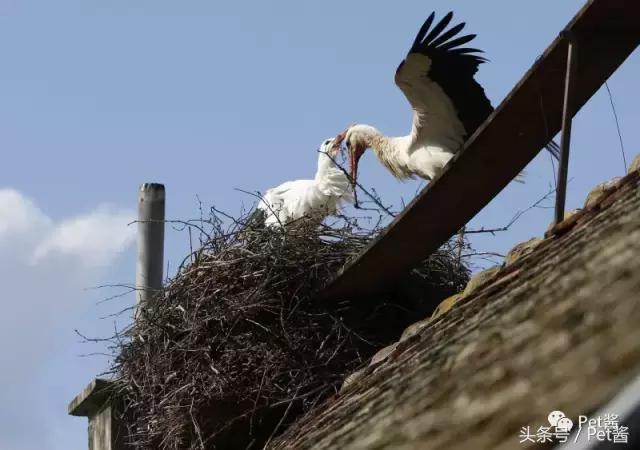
[236, 347]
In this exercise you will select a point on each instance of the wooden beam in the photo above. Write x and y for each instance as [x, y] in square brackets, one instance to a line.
[609, 30]
[91, 399]
[101, 406]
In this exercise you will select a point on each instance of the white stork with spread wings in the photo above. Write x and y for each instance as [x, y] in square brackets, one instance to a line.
[312, 199]
[437, 78]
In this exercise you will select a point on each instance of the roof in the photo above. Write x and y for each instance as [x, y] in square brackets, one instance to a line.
[556, 327]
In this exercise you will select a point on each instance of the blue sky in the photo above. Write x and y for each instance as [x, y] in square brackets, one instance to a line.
[98, 97]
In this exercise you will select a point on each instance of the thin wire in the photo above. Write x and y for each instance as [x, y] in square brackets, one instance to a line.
[553, 167]
[546, 127]
[615, 116]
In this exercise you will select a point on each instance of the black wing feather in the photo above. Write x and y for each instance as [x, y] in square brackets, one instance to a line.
[449, 34]
[438, 28]
[465, 50]
[456, 42]
[453, 69]
[423, 30]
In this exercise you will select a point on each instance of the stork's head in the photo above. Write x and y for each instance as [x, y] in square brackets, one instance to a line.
[328, 153]
[357, 139]
[330, 148]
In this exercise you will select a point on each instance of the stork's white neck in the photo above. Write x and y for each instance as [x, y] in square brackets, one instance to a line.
[388, 150]
[325, 163]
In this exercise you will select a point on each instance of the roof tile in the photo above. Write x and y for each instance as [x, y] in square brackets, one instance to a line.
[635, 164]
[521, 250]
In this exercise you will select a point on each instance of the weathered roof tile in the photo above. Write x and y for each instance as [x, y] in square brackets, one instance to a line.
[635, 164]
[445, 305]
[383, 354]
[352, 380]
[414, 329]
[570, 218]
[479, 279]
[599, 191]
[520, 250]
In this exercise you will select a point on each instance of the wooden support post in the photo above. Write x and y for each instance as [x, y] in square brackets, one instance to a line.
[149, 270]
[106, 431]
[568, 111]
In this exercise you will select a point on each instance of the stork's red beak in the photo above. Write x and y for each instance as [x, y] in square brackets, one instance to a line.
[354, 157]
[337, 141]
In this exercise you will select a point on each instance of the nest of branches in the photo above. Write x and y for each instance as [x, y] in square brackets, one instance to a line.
[237, 347]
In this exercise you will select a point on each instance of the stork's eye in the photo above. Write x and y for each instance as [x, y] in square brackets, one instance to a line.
[348, 144]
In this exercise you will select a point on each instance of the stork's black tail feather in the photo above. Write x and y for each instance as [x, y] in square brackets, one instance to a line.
[553, 149]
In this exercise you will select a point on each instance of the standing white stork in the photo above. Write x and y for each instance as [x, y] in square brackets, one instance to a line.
[437, 78]
[314, 199]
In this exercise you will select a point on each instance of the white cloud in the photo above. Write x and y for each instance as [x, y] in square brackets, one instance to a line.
[18, 215]
[46, 265]
[95, 238]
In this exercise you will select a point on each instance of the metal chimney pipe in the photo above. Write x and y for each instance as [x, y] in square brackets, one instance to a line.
[150, 264]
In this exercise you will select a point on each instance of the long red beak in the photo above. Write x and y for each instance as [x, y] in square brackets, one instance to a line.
[337, 141]
[354, 157]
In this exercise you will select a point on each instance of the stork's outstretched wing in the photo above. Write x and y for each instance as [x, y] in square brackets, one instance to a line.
[452, 67]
